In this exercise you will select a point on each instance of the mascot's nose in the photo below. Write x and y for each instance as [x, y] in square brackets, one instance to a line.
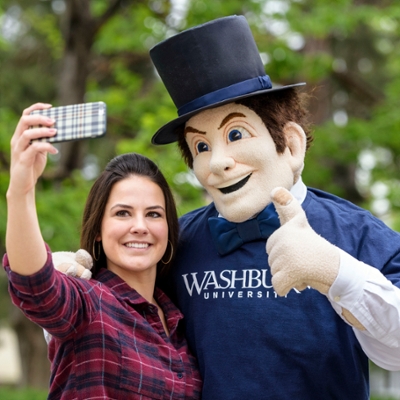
[221, 162]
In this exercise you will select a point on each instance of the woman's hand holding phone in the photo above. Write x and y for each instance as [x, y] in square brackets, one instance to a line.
[28, 157]
[24, 243]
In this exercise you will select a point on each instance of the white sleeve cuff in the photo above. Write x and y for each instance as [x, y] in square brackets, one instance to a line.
[350, 282]
[370, 297]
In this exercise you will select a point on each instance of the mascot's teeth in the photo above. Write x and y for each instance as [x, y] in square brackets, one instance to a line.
[137, 245]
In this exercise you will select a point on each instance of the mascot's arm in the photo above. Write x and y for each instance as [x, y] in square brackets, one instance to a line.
[299, 257]
[363, 291]
[76, 264]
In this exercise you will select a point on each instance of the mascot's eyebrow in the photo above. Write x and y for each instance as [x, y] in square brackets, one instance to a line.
[224, 122]
[193, 130]
[229, 117]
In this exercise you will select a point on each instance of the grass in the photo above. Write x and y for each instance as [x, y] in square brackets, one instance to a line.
[384, 398]
[10, 393]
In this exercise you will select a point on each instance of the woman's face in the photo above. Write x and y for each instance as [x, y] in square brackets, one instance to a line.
[134, 229]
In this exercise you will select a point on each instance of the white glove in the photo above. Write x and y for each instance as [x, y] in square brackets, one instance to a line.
[73, 264]
[298, 256]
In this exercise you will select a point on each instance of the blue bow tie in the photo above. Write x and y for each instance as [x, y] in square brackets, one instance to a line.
[228, 236]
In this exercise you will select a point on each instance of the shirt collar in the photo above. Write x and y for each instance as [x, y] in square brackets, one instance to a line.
[119, 287]
[299, 190]
[126, 293]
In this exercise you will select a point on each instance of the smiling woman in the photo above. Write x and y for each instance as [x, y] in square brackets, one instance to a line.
[117, 335]
[130, 209]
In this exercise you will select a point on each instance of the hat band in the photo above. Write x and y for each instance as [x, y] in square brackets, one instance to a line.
[229, 92]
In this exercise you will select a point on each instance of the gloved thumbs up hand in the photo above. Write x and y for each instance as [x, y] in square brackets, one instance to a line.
[297, 255]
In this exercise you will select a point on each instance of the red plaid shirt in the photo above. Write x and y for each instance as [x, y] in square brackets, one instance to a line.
[108, 341]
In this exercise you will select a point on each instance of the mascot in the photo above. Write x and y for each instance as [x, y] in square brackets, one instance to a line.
[287, 291]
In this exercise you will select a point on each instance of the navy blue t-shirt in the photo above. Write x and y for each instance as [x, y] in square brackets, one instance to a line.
[252, 344]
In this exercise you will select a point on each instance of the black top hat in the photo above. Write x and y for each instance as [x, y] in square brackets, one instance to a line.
[207, 66]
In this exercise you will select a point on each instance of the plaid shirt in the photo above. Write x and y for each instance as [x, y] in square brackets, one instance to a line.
[108, 341]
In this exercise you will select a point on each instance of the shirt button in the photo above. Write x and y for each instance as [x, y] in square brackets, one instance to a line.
[336, 298]
[180, 375]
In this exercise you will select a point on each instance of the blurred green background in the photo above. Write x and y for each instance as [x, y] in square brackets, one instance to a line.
[73, 51]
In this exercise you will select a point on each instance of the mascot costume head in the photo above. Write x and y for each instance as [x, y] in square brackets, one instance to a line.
[242, 136]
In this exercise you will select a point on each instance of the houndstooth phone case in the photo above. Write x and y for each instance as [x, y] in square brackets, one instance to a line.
[77, 121]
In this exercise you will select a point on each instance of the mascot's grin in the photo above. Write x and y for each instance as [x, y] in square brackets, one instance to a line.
[236, 186]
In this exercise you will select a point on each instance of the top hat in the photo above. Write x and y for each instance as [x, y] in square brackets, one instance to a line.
[208, 66]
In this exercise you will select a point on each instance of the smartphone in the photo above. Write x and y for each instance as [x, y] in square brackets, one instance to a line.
[76, 121]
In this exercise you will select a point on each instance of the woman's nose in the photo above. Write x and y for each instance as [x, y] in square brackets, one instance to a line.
[139, 226]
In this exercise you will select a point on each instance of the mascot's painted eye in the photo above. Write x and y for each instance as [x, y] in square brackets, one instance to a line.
[238, 133]
[202, 147]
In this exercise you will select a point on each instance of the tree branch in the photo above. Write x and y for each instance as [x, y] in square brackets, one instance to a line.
[109, 13]
[359, 86]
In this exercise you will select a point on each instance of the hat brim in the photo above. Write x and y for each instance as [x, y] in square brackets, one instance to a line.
[167, 134]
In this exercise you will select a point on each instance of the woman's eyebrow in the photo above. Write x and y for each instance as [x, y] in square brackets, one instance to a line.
[156, 207]
[120, 205]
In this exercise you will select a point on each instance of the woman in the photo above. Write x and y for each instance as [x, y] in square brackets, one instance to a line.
[115, 336]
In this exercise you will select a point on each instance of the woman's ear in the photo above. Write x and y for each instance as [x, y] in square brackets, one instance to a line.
[296, 142]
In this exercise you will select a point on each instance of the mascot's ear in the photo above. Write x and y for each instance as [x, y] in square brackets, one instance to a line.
[296, 142]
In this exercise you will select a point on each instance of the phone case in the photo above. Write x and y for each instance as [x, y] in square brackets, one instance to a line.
[76, 121]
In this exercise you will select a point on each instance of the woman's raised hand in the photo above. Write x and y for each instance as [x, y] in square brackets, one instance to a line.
[28, 159]
[24, 242]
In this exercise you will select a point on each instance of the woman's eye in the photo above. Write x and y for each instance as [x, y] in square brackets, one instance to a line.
[202, 147]
[237, 134]
[154, 214]
[121, 213]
